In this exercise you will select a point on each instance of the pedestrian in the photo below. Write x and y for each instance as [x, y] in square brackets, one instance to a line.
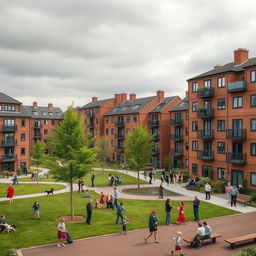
[196, 204]
[25, 171]
[10, 193]
[240, 189]
[89, 212]
[152, 224]
[154, 173]
[35, 210]
[227, 190]
[168, 208]
[92, 179]
[178, 240]
[161, 191]
[79, 185]
[233, 193]
[150, 175]
[102, 201]
[62, 232]
[124, 223]
[115, 198]
[119, 214]
[181, 216]
[207, 189]
[207, 230]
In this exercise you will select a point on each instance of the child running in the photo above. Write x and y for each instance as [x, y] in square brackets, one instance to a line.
[178, 240]
[124, 223]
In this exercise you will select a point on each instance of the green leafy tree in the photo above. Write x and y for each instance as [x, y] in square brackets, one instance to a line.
[37, 155]
[102, 145]
[138, 149]
[74, 158]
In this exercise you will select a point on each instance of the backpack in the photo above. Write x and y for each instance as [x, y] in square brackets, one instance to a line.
[69, 239]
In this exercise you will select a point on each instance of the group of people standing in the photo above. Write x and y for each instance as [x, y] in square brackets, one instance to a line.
[114, 180]
[231, 192]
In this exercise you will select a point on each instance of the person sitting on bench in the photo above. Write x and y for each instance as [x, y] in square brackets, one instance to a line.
[207, 230]
[2, 223]
[199, 235]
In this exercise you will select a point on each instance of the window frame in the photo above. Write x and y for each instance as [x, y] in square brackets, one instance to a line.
[254, 185]
[221, 106]
[252, 130]
[194, 87]
[235, 100]
[251, 147]
[194, 145]
[224, 122]
[253, 71]
[220, 83]
[194, 106]
[223, 146]
[251, 105]
[192, 166]
[223, 174]
[194, 126]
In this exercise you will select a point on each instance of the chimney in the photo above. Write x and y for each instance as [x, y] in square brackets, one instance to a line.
[34, 104]
[94, 99]
[50, 105]
[123, 97]
[160, 95]
[117, 98]
[132, 96]
[240, 55]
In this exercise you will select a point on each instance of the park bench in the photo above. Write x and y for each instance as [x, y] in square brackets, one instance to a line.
[235, 240]
[244, 199]
[213, 237]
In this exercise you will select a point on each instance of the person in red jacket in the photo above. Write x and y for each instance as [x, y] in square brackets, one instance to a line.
[10, 193]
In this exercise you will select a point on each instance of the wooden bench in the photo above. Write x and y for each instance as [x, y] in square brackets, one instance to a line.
[244, 199]
[213, 237]
[235, 240]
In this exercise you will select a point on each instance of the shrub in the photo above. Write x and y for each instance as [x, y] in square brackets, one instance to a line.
[247, 252]
[11, 252]
[185, 177]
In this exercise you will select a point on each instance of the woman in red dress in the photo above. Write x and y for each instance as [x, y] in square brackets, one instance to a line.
[10, 193]
[181, 217]
[102, 201]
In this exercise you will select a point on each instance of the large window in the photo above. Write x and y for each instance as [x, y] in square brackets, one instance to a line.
[194, 145]
[10, 108]
[194, 106]
[23, 136]
[221, 82]
[253, 149]
[207, 83]
[221, 126]
[194, 87]
[220, 173]
[194, 126]
[253, 125]
[106, 131]
[195, 169]
[23, 151]
[221, 104]
[238, 102]
[221, 147]
[253, 178]
[253, 100]
[23, 122]
[206, 171]
[253, 76]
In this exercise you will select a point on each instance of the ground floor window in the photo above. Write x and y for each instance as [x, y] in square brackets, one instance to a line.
[206, 171]
[7, 167]
[221, 173]
[253, 178]
[195, 169]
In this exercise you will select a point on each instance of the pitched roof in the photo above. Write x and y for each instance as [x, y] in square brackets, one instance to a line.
[7, 99]
[163, 104]
[131, 106]
[97, 103]
[181, 106]
[229, 67]
[23, 113]
[44, 112]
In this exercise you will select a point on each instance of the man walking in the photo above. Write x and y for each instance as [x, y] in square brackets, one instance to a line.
[89, 212]
[207, 189]
[92, 179]
[119, 209]
[115, 198]
[196, 203]
[233, 193]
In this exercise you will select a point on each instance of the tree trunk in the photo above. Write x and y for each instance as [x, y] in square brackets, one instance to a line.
[138, 179]
[71, 200]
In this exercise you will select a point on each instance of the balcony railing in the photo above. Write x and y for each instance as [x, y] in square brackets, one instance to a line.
[152, 123]
[155, 137]
[9, 158]
[9, 143]
[120, 149]
[177, 152]
[120, 136]
[205, 113]
[176, 122]
[236, 134]
[38, 125]
[177, 137]
[9, 128]
[120, 124]
[205, 155]
[205, 92]
[236, 158]
[238, 86]
[205, 134]
[37, 135]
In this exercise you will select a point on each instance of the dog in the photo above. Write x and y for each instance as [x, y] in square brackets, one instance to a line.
[49, 191]
[9, 228]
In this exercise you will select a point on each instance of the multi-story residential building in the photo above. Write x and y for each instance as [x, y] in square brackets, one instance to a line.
[179, 120]
[20, 128]
[222, 125]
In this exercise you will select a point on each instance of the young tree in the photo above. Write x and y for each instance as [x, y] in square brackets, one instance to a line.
[138, 149]
[68, 143]
[102, 145]
[37, 155]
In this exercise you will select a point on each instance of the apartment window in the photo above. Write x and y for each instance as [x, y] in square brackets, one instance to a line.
[194, 87]
[53, 122]
[187, 116]
[221, 126]
[253, 76]
[35, 113]
[195, 169]
[253, 178]
[23, 136]
[253, 149]
[50, 113]
[238, 102]
[207, 83]
[107, 120]
[221, 104]
[128, 119]
[23, 151]
[106, 131]
[194, 126]
[45, 131]
[97, 121]
[221, 82]
[186, 131]
[23, 122]
[112, 131]
[220, 173]
[10, 108]
[221, 147]
[186, 146]
[253, 125]
[253, 100]
[194, 145]
[194, 106]
[112, 119]
[112, 143]
[135, 119]
[46, 122]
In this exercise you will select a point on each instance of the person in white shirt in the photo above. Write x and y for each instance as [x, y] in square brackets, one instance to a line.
[199, 235]
[207, 230]
[207, 189]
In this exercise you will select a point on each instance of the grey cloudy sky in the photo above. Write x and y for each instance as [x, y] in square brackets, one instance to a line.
[70, 50]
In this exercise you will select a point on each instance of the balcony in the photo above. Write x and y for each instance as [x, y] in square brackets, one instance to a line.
[238, 86]
[9, 128]
[176, 137]
[176, 122]
[9, 158]
[38, 125]
[155, 137]
[37, 135]
[236, 134]
[205, 134]
[177, 152]
[120, 136]
[205, 113]
[90, 125]
[236, 158]
[9, 143]
[153, 123]
[205, 92]
[120, 149]
[119, 124]
[205, 155]
[155, 152]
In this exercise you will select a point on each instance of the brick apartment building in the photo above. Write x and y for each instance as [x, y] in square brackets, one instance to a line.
[222, 121]
[179, 143]
[20, 127]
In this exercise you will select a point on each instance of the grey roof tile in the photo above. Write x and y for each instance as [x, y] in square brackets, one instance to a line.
[44, 112]
[97, 103]
[163, 104]
[182, 106]
[7, 99]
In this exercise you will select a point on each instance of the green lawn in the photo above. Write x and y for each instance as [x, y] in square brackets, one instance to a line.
[22, 189]
[32, 232]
